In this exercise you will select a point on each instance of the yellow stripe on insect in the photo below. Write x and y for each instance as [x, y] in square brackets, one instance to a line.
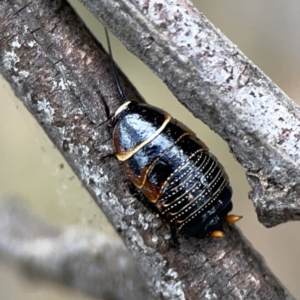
[127, 155]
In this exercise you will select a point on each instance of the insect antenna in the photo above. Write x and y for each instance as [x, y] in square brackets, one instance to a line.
[107, 111]
[117, 82]
[119, 88]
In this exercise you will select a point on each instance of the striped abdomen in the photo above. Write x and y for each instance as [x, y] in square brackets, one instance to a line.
[172, 168]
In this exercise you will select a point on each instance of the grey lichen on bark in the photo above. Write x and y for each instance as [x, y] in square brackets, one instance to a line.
[62, 75]
[222, 87]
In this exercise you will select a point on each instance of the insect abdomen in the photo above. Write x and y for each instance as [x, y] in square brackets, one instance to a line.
[195, 195]
[173, 169]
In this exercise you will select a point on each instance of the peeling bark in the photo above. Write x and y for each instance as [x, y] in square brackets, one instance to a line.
[61, 74]
[222, 87]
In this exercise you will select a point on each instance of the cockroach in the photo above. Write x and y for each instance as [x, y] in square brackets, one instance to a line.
[172, 171]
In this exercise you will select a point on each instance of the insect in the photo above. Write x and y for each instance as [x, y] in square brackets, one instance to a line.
[172, 172]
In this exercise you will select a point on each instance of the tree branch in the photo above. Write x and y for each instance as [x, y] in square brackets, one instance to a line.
[89, 261]
[60, 73]
[223, 88]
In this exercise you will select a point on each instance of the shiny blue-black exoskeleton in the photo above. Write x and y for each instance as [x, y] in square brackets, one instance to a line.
[174, 174]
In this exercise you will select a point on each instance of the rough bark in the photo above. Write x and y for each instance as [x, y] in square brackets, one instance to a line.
[90, 261]
[219, 85]
[61, 74]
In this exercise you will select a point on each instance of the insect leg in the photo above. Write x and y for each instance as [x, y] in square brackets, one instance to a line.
[150, 206]
[140, 196]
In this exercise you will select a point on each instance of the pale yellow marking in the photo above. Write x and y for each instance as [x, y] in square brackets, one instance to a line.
[191, 174]
[121, 108]
[190, 197]
[166, 205]
[157, 159]
[179, 168]
[189, 204]
[221, 187]
[127, 155]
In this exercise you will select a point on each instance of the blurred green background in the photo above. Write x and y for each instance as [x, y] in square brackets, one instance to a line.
[266, 31]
